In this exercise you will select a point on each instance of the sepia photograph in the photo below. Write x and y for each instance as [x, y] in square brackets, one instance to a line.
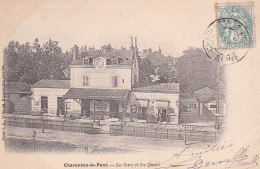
[130, 84]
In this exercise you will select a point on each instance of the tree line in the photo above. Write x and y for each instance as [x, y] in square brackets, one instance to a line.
[193, 70]
[32, 62]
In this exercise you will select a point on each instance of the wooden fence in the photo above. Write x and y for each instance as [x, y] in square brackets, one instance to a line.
[164, 133]
[49, 124]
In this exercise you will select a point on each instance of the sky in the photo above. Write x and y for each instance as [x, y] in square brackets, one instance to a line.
[172, 26]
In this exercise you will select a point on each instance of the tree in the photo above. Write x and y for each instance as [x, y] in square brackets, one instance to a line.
[31, 63]
[10, 60]
[18, 62]
[146, 69]
[195, 70]
[167, 73]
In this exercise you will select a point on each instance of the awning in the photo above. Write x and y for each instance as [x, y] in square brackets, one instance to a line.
[94, 93]
[141, 103]
[161, 104]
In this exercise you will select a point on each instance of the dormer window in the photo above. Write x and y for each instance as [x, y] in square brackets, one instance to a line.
[85, 61]
[108, 61]
[119, 60]
[116, 60]
[88, 61]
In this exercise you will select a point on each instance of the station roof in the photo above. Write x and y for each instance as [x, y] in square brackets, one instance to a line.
[44, 83]
[156, 87]
[94, 93]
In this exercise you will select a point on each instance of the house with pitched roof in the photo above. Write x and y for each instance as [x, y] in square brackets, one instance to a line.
[17, 97]
[105, 84]
[207, 101]
[48, 96]
[201, 107]
[156, 102]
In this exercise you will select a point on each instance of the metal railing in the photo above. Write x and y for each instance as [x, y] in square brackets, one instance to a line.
[48, 124]
[186, 135]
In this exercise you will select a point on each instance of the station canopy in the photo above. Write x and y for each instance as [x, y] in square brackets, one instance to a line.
[97, 94]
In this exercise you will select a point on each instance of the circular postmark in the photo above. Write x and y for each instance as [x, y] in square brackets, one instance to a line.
[226, 40]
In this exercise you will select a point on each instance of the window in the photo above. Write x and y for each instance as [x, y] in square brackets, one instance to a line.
[44, 104]
[212, 106]
[67, 106]
[119, 61]
[108, 61]
[193, 105]
[162, 115]
[142, 113]
[133, 109]
[123, 80]
[114, 62]
[115, 81]
[88, 61]
[85, 80]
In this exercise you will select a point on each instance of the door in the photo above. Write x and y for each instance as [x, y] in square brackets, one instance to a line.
[60, 106]
[162, 115]
[44, 104]
[142, 113]
[114, 109]
[85, 107]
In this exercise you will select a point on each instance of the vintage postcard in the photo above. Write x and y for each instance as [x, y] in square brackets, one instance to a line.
[130, 84]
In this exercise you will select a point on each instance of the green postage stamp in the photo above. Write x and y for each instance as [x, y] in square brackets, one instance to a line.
[236, 29]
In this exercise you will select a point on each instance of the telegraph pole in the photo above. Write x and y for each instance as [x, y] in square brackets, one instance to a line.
[94, 112]
[217, 101]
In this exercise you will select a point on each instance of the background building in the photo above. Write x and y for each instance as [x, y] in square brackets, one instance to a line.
[17, 97]
[201, 107]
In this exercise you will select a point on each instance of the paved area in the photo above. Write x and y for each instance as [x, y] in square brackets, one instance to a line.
[52, 140]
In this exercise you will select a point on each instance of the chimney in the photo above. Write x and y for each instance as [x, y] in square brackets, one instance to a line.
[104, 49]
[132, 42]
[75, 52]
[160, 51]
[136, 49]
[150, 51]
[132, 49]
